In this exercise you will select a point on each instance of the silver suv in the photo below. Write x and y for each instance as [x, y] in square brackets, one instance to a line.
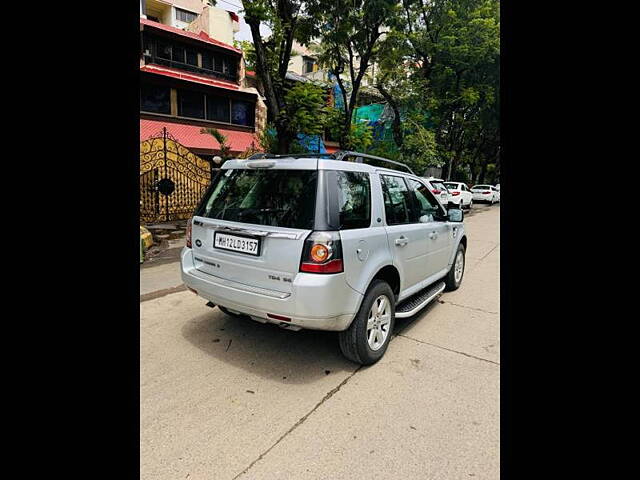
[345, 242]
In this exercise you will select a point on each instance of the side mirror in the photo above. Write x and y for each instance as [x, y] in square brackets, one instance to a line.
[455, 215]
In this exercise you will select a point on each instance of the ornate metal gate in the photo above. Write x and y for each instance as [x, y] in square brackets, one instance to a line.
[162, 157]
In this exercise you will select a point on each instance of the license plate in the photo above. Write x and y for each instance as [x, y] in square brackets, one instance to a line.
[235, 243]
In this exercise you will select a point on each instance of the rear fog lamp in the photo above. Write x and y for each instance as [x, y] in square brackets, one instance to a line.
[278, 317]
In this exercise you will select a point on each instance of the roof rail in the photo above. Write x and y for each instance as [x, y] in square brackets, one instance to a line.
[360, 158]
[340, 155]
[257, 156]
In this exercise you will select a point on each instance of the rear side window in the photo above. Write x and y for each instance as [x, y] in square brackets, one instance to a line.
[279, 198]
[397, 199]
[354, 199]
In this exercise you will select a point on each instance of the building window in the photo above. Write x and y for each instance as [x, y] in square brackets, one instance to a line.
[309, 65]
[155, 99]
[218, 109]
[242, 113]
[207, 61]
[191, 57]
[190, 104]
[185, 16]
[215, 108]
[182, 56]
[163, 50]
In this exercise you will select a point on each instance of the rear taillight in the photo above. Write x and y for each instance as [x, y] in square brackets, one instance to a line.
[436, 191]
[486, 193]
[455, 193]
[189, 223]
[322, 253]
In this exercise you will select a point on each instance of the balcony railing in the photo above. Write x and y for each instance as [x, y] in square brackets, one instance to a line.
[233, 77]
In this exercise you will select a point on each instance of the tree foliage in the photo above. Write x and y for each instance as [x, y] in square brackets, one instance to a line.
[348, 33]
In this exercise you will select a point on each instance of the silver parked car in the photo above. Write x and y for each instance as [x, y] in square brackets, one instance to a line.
[345, 242]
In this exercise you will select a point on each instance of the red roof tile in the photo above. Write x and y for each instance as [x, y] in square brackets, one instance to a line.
[190, 136]
[190, 77]
[202, 36]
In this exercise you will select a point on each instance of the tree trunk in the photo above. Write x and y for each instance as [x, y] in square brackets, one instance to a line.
[396, 126]
[453, 164]
[483, 172]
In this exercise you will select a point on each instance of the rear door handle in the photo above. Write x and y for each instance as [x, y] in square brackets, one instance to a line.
[402, 241]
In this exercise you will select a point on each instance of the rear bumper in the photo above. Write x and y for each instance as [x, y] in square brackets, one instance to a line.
[317, 302]
[482, 198]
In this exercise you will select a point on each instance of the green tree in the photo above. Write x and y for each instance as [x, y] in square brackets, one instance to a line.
[225, 148]
[248, 51]
[348, 34]
[272, 56]
[442, 56]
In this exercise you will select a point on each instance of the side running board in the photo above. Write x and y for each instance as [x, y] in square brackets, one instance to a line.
[418, 301]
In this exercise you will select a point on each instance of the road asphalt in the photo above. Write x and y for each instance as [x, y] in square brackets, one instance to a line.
[222, 398]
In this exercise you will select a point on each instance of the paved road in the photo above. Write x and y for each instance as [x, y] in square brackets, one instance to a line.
[225, 399]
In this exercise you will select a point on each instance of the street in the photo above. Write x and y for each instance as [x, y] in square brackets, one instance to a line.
[222, 398]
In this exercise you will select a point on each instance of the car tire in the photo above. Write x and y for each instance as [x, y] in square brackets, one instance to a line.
[470, 204]
[355, 341]
[452, 281]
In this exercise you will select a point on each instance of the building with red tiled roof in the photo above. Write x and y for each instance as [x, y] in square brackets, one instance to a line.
[190, 80]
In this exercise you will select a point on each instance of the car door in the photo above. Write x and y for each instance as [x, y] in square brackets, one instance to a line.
[468, 196]
[407, 241]
[439, 232]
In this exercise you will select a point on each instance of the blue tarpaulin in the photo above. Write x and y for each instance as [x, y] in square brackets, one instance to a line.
[311, 143]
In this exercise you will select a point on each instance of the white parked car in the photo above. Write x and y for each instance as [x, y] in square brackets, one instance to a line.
[459, 194]
[439, 190]
[485, 193]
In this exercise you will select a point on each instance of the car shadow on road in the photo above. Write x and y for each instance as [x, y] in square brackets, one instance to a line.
[405, 325]
[267, 350]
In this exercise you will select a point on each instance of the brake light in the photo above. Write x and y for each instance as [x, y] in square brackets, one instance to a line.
[189, 232]
[486, 193]
[455, 193]
[436, 191]
[322, 253]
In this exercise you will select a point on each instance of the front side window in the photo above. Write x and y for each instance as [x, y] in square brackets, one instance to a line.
[155, 99]
[354, 199]
[425, 207]
[397, 199]
[190, 104]
[279, 198]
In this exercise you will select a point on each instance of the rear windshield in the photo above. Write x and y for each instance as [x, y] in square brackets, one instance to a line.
[452, 186]
[481, 187]
[279, 198]
[438, 185]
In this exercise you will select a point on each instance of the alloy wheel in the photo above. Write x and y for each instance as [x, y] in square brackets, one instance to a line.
[379, 322]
